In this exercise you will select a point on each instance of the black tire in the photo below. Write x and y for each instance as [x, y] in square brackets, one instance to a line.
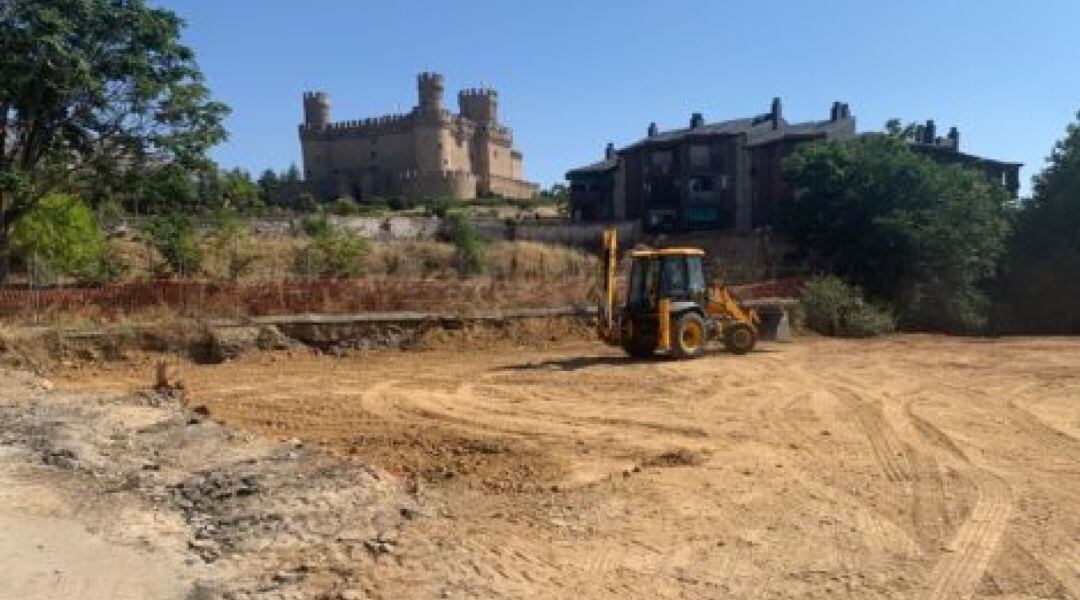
[636, 343]
[739, 338]
[689, 336]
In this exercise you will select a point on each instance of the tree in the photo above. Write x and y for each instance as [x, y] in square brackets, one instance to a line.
[89, 87]
[59, 236]
[1039, 285]
[174, 236]
[268, 187]
[239, 192]
[922, 236]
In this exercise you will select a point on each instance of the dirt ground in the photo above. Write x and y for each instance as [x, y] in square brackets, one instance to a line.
[905, 467]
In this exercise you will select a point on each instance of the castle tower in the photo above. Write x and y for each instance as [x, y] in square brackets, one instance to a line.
[479, 104]
[430, 88]
[316, 110]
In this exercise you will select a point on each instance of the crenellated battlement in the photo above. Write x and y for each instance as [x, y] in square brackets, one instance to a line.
[398, 123]
[478, 92]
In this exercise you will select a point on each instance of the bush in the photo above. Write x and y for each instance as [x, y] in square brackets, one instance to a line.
[469, 248]
[232, 245]
[60, 237]
[343, 207]
[832, 307]
[331, 251]
[306, 202]
[397, 204]
[174, 237]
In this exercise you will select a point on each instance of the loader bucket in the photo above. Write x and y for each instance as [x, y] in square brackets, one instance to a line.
[774, 326]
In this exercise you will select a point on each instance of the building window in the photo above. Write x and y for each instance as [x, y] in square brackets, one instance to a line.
[701, 185]
[374, 154]
[699, 155]
[723, 181]
[661, 158]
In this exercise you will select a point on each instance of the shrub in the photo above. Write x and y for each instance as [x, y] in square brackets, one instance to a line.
[173, 236]
[343, 207]
[469, 248]
[232, 245]
[60, 237]
[331, 251]
[832, 307]
[306, 202]
[397, 203]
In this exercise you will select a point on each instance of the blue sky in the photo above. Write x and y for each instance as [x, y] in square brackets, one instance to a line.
[573, 75]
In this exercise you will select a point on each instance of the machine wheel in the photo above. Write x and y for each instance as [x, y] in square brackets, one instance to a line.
[689, 336]
[634, 342]
[739, 338]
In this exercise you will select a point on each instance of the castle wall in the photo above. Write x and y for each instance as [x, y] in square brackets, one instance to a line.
[429, 152]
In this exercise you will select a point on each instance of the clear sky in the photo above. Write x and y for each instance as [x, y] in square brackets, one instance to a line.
[573, 75]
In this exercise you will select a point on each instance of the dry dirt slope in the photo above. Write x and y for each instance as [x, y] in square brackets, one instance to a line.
[910, 467]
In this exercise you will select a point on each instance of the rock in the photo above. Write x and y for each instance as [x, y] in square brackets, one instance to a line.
[227, 343]
[270, 337]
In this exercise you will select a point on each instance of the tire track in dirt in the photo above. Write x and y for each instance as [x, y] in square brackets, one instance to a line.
[958, 573]
[888, 449]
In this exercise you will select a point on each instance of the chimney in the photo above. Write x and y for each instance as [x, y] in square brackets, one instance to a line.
[954, 139]
[834, 112]
[845, 111]
[776, 113]
[609, 151]
[652, 131]
[930, 133]
[696, 120]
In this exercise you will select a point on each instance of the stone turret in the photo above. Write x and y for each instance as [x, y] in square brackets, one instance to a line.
[430, 88]
[479, 104]
[316, 110]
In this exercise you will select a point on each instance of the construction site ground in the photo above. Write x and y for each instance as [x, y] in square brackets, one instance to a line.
[909, 466]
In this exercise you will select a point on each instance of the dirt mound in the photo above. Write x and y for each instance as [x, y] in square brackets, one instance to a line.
[532, 332]
[247, 515]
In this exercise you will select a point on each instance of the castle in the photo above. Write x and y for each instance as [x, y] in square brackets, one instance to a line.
[429, 152]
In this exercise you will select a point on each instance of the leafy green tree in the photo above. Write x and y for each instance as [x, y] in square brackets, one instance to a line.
[239, 192]
[174, 236]
[269, 188]
[922, 236]
[91, 86]
[60, 237]
[1039, 286]
[167, 188]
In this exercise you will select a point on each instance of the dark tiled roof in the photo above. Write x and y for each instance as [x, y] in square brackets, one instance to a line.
[963, 156]
[597, 167]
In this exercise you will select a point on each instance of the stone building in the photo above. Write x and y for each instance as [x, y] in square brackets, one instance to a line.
[429, 152]
[722, 175]
[946, 150]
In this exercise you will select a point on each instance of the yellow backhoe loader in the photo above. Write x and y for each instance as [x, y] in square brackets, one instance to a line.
[668, 306]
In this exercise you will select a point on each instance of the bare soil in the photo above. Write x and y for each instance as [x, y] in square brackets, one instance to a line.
[905, 467]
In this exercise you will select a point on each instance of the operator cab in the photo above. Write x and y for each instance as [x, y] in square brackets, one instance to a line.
[673, 273]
